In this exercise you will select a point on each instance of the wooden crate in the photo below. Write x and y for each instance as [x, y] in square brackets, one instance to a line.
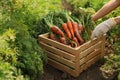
[72, 60]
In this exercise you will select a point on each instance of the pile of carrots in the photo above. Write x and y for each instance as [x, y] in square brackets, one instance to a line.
[69, 34]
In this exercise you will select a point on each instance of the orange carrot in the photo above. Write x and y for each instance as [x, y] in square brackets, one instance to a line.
[76, 40]
[52, 36]
[62, 40]
[79, 37]
[81, 28]
[65, 28]
[70, 27]
[73, 44]
[57, 31]
[75, 26]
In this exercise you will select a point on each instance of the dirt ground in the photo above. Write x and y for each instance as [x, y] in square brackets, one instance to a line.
[92, 73]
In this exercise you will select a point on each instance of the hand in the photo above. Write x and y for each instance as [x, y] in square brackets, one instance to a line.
[103, 27]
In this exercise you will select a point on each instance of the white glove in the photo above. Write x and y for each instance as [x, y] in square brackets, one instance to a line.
[103, 27]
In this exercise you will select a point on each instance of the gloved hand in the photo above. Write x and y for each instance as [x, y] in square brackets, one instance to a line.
[103, 27]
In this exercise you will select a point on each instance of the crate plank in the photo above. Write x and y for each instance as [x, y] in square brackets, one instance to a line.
[77, 62]
[103, 46]
[58, 52]
[90, 62]
[61, 67]
[87, 45]
[57, 44]
[44, 35]
[90, 56]
[90, 49]
[61, 59]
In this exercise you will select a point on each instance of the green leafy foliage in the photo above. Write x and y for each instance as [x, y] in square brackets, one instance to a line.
[8, 57]
[111, 65]
[37, 9]
[79, 3]
[113, 34]
[18, 44]
[18, 47]
[9, 72]
[97, 4]
[8, 51]
[53, 18]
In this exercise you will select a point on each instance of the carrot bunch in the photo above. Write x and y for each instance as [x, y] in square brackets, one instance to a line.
[73, 33]
[69, 33]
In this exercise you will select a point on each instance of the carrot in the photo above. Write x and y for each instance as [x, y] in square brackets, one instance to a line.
[79, 37]
[70, 27]
[52, 36]
[76, 32]
[62, 40]
[75, 26]
[57, 31]
[81, 28]
[73, 43]
[69, 24]
[76, 40]
[65, 28]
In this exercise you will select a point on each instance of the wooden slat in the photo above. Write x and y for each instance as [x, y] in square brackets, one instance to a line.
[77, 62]
[61, 67]
[103, 46]
[60, 59]
[44, 35]
[90, 56]
[58, 51]
[65, 47]
[90, 49]
[87, 45]
[56, 44]
[90, 62]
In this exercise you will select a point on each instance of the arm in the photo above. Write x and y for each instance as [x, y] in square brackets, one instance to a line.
[107, 8]
[105, 26]
[117, 20]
